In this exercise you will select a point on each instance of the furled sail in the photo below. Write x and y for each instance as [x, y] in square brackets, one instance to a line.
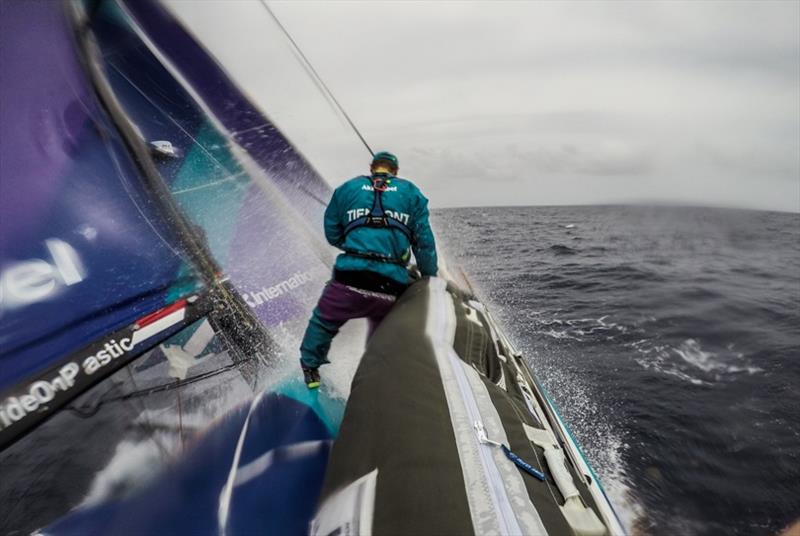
[157, 250]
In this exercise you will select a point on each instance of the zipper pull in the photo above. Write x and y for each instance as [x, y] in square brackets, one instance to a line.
[519, 462]
[482, 437]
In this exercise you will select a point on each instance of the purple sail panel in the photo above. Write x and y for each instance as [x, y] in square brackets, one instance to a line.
[43, 116]
[278, 275]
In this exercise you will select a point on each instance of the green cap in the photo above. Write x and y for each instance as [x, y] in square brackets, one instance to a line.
[385, 156]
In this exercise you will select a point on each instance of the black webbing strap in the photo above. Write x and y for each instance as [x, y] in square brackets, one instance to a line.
[376, 257]
[377, 217]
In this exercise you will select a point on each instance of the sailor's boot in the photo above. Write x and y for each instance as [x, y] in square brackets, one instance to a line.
[311, 377]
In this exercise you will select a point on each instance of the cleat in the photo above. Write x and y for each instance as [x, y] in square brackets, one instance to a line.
[311, 377]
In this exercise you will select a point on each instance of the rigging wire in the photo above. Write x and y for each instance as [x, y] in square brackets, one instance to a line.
[89, 411]
[316, 77]
[146, 424]
[180, 413]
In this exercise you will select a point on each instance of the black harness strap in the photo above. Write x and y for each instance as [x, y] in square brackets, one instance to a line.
[377, 218]
[376, 256]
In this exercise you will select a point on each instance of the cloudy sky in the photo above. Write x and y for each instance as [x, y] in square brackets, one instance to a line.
[534, 103]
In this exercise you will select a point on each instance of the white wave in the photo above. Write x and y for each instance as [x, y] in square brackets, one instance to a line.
[581, 329]
[658, 366]
[616, 483]
[691, 352]
[345, 355]
[689, 359]
[601, 439]
[561, 335]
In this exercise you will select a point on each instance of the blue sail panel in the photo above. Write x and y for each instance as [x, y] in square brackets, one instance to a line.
[84, 250]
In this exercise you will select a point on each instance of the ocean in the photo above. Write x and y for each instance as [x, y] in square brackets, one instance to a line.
[669, 339]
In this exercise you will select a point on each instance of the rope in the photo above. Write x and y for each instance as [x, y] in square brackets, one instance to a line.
[316, 77]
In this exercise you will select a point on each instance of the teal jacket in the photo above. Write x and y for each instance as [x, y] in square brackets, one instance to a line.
[402, 201]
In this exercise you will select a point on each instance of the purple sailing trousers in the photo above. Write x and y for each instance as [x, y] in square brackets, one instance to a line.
[338, 304]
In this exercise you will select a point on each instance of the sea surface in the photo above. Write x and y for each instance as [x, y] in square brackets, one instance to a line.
[669, 339]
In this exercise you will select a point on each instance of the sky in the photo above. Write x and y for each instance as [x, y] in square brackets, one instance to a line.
[533, 103]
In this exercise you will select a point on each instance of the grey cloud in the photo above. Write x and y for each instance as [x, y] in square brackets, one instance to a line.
[536, 102]
[608, 159]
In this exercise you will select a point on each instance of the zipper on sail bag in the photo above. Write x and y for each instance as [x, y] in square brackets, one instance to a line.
[519, 462]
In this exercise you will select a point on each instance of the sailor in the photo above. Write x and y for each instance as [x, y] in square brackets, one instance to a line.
[376, 221]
